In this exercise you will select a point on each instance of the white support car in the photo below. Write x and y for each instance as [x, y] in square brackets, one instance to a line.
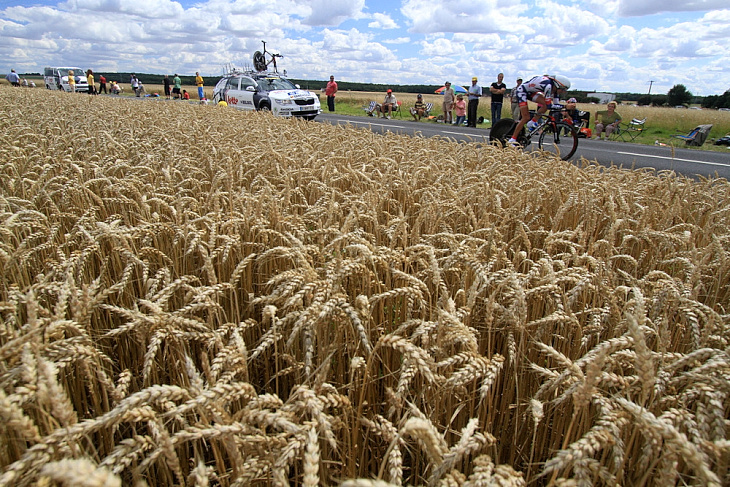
[266, 91]
[57, 79]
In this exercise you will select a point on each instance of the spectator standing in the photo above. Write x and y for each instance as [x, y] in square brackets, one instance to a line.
[199, 84]
[514, 104]
[90, 81]
[419, 108]
[72, 80]
[13, 78]
[475, 92]
[497, 89]
[460, 109]
[607, 120]
[140, 88]
[448, 104]
[176, 85]
[330, 91]
[134, 82]
[166, 83]
[102, 84]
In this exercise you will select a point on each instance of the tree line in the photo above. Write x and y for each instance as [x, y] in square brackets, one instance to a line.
[677, 95]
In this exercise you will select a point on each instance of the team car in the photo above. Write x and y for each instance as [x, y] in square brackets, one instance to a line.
[57, 79]
[250, 90]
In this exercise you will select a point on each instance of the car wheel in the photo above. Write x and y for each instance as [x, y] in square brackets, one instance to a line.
[264, 108]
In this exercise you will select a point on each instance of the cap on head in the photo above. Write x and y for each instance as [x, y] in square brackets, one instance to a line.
[474, 79]
[572, 100]
[389, 91]
[420, 95]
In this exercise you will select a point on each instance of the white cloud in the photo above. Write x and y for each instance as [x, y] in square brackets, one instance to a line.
[629, 8]
[382, 21]
[397, 40]
[415, 41]
[331, 12]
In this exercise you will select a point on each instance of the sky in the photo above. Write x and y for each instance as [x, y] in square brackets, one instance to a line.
[636, 46]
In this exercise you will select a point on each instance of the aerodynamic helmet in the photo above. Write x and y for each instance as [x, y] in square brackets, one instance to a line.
[561, 80]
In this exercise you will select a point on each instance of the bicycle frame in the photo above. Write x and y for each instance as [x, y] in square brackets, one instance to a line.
[260, 62]
[549, 131]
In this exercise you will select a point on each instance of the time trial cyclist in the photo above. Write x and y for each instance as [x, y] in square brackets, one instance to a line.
[543, 90]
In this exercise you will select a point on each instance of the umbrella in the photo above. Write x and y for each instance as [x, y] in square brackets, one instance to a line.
[457, 89]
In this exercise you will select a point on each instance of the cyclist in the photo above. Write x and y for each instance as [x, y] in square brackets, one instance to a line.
[544, 91]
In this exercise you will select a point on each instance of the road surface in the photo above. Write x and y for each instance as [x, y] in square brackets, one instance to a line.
[688, 162]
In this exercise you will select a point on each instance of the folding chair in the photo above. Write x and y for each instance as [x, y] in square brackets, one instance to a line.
[397, 110]
[697, 136]
[427, 110]
[369, 108]
[628, 132]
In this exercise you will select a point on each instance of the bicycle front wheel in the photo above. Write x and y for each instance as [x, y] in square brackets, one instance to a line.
[561, 140]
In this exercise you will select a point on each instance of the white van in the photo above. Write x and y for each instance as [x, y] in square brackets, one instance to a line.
[57, 79]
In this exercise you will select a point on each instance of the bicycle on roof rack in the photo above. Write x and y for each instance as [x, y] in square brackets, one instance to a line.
[260, 62]
[555, 135]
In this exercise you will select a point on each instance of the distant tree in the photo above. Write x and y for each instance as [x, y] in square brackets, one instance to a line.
[644, 100]
[722, 101]
[659, 100]
[678, 95]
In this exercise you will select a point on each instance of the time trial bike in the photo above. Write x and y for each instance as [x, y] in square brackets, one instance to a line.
[260, 62]
[554, 134]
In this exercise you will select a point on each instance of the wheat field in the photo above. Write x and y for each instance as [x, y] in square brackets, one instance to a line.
[192, 295]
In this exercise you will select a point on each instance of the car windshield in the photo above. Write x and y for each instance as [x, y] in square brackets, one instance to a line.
[269, 84]
[77, 72]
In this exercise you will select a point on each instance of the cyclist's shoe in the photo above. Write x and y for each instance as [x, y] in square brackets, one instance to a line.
[513, 143]
[531, 125]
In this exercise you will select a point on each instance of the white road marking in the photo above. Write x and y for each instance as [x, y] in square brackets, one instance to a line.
[674, 159]
[385, 124]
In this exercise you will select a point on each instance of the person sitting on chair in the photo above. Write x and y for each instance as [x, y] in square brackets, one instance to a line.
[419, 108]
[388, 106]
[607, 120]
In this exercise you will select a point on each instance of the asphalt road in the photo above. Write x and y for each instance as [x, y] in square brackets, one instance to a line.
[688, 162]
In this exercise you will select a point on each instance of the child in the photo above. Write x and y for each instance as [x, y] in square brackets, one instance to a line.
[460, 109]
[185, 95]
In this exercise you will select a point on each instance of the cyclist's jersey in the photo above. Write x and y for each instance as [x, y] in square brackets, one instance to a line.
[537, 85]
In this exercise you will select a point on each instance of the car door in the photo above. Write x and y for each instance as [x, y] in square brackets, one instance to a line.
[247, 90]
[230, 92]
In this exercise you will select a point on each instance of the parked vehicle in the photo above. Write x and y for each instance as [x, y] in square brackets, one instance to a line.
[57, 79]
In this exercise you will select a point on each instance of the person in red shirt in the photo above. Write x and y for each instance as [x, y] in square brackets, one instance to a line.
[185, 95]
[330, 91]
[102, 83]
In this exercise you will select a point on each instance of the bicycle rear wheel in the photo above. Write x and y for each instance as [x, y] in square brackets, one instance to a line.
[259, 61]
[503, 130]
[561, 140]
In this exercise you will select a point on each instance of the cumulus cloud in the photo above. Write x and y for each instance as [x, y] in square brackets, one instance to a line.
[595, 42]
[629, 8]
[382, 21]
[332, 13]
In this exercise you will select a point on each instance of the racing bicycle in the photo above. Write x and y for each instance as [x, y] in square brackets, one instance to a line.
[260, 62]
[554, 135]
